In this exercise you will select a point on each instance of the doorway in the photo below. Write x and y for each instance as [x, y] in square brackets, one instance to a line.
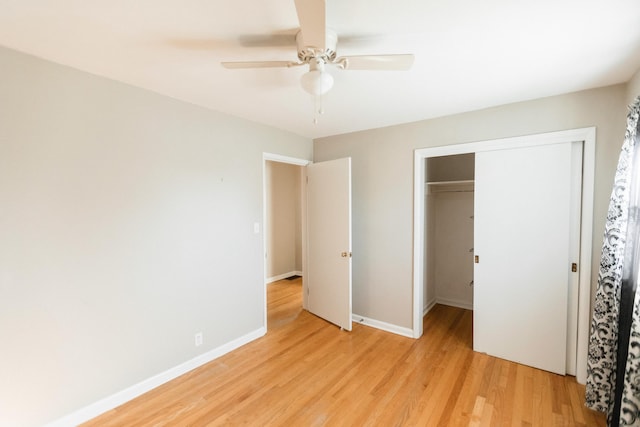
[587, 137]
[325, 222]
[284, 211]
[283, 226]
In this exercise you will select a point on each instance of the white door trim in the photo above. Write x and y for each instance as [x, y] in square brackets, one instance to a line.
[588, 136]
[293, 161]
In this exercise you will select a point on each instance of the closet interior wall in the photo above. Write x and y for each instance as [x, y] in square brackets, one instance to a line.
[449, 231]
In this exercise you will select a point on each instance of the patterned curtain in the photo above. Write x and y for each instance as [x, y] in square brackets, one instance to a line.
[613, 381]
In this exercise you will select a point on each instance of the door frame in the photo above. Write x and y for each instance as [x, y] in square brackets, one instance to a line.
[297, 162]
[588, 137]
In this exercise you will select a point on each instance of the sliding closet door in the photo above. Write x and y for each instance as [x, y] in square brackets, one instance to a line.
[523, 216]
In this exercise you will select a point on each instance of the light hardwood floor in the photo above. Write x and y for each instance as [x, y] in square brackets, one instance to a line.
[306, 372]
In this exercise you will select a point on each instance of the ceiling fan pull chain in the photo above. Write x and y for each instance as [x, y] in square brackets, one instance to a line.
[318, 108]
[315, 109]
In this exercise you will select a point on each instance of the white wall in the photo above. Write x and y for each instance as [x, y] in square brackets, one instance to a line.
[126, 222]
[382, 166]
[284, 229]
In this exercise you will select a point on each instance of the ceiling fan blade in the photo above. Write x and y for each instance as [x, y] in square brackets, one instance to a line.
[312, 17]
[376, 62]
[284, 38]
[259, 64]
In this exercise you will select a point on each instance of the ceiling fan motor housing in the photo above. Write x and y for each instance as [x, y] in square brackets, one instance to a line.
[308, 53]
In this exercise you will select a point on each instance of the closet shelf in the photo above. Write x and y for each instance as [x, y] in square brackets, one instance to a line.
[450, 186]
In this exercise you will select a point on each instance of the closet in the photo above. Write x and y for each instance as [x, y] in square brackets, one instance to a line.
[449, 230]
[530, 266]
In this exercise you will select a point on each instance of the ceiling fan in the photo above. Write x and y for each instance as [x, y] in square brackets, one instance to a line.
[316, 47]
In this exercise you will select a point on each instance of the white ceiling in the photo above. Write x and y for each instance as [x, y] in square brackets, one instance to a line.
[469, 54]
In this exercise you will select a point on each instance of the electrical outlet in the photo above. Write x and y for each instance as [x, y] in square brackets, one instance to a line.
[198, 339]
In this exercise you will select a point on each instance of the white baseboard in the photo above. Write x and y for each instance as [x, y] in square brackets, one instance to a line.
[395, 329]
[455, 303]
[428, 307]
[100, 407]
[283, 276]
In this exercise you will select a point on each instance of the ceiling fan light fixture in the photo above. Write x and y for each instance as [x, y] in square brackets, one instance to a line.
[316, 81]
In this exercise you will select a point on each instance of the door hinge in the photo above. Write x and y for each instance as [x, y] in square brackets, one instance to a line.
[574, 267]
[477, 259]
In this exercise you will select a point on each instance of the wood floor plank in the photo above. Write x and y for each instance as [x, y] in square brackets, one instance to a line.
[306, 372]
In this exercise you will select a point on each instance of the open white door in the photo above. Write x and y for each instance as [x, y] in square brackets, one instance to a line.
[523, 218]
[328, 272]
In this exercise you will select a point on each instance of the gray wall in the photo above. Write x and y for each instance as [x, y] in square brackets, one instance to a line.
[126, 222]
[382, 167]
[633, 88]
[452, 239]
